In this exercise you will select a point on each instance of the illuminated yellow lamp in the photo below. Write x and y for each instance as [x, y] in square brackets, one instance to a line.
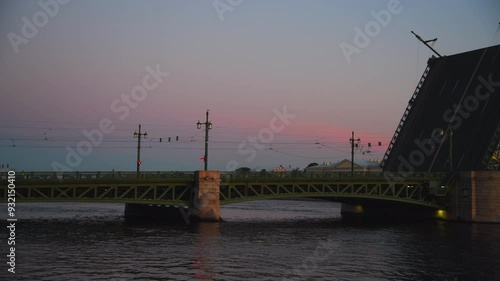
[441, 214]
[358, 209]
[496, 156]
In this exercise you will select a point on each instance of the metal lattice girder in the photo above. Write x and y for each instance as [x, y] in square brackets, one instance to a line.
[409, 192]
[147, 193]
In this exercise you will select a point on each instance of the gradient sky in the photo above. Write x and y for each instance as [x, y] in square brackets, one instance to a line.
[262, 55]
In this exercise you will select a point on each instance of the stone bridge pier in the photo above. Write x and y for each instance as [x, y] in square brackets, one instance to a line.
[476, 197]
[205, 203]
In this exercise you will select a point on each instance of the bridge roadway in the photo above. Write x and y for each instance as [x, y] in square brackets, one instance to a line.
[176, 188]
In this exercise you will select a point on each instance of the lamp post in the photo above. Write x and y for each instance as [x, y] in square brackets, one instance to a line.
[208, 126]
[138, 137]
[352, 140]
[355, 143]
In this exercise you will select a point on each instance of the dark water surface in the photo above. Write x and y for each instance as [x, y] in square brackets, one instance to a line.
[264, 240]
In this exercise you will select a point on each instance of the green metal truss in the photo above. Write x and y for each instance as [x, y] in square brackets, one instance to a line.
[409, 192]
[165, 193]
[176, 188]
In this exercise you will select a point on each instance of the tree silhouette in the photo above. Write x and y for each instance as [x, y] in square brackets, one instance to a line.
[312, 164]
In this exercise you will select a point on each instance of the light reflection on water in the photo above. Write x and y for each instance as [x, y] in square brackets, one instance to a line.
[262, 240]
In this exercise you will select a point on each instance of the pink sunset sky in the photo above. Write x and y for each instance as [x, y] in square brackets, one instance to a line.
[240, 59]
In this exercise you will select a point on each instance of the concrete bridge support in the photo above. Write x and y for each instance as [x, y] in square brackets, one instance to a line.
[476, 197]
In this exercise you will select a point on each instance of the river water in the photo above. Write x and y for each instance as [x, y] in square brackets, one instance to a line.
[262, 240]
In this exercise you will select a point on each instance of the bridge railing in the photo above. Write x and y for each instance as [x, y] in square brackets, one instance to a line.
[330, 175]
[113, 175]
[225, 176]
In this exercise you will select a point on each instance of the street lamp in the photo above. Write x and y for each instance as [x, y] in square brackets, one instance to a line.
[138, 137]
[208, 126]
[352, 140]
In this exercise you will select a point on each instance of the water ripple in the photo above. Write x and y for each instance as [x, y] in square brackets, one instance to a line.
[267, 240]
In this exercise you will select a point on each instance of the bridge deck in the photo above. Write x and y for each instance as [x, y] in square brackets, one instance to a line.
[175, 188]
